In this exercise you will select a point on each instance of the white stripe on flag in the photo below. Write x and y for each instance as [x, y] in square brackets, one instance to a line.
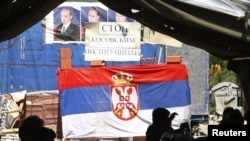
[107, 125]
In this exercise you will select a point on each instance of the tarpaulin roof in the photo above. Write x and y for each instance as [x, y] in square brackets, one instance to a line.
[218, 26]
[18, 15]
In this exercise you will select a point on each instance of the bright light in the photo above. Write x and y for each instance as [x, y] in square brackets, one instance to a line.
[135, 10]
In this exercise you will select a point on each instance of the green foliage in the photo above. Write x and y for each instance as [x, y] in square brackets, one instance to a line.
[217, 75]
[222, 75]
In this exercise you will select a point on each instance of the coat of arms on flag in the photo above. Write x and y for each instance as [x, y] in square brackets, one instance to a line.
[124, 96]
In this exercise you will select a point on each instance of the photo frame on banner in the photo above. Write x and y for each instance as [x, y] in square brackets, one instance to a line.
[91, 14]
[54, 31]
[66, 24]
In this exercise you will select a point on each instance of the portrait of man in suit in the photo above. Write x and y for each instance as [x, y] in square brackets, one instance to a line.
[91, 14]
[67, 30]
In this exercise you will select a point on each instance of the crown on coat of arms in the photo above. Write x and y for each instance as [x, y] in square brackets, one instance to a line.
[122, 78]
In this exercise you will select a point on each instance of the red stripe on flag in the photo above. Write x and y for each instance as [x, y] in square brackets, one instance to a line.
[97, 76]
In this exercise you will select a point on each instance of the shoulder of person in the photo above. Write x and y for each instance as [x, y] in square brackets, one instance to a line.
[73, 25]
[151, 128]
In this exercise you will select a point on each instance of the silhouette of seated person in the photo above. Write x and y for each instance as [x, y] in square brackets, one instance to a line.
[161, 123]
[232, 116]
[32, 128]
[28, 126]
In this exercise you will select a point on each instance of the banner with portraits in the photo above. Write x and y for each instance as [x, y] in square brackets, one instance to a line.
[75, 15]
[67, 24]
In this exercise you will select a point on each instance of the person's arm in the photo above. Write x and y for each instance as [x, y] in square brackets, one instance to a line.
[172, 116]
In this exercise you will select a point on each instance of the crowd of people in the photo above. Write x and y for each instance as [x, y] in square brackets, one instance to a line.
[161, 127]
[161, 130]
[32, 127]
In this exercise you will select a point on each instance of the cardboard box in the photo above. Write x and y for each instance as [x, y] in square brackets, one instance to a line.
[46, 106]
[174, 59]
[34, 109]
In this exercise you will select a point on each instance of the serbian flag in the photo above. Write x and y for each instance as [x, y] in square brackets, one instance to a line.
[110, 102]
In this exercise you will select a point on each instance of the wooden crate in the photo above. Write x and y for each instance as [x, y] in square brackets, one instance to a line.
[34, 109]
[45, 106]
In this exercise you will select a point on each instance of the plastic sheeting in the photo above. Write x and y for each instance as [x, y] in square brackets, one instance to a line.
[26, 63]
[231, 7]
[197, 63]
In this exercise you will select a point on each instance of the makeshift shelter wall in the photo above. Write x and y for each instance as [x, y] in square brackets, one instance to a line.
[29, 64]
[26, 63]
[197, 63]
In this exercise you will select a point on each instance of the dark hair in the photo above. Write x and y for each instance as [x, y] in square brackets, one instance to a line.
[69, 9]
[34, 120]
[28, 126]
[95, 9]
[159, 114]
[228, 110]
[232, 116]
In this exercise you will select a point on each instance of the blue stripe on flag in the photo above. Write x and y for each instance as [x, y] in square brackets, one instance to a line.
[97, 99]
